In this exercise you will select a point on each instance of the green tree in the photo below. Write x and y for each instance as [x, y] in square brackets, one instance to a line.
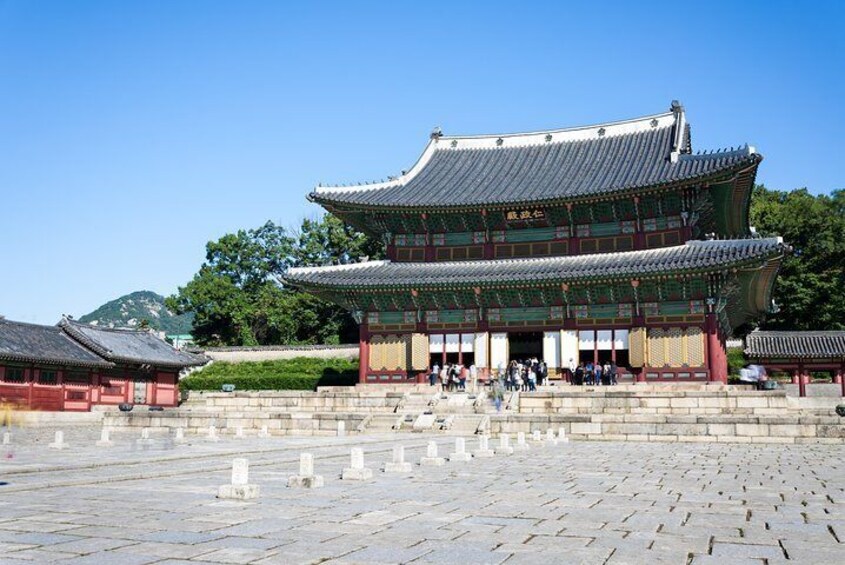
[810, 288]
[238, 298]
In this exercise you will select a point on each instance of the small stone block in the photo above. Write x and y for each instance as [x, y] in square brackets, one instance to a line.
[561, 435]
[264, 432]
[300, 481]
[180, 436]
[341, 428]
[238, 492]
[105, 440]
[59, 441]
[520, 443]
[7, 438]
[504, 447]
[352, 474]
[483, 450]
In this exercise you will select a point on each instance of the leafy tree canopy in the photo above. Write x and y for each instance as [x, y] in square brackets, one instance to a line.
[810, 288]
[237, 297]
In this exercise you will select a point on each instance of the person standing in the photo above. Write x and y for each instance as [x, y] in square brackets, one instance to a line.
[435, 372]
[598, 372]
[473, 377]
[572, 367]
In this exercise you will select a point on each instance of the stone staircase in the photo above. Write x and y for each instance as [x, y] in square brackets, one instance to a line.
[626, 412]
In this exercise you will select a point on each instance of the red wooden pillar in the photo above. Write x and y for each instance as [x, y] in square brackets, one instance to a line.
[716, 360]
[841, 375]
[802, 389]
[363, 352]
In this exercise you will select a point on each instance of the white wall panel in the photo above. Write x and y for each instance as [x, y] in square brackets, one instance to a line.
[551, 349]
[452, 343]
[604, 340]
[568, 347]
[498, 349]
[586, 340]
[481, 349]
[435, 343]
[621, 339]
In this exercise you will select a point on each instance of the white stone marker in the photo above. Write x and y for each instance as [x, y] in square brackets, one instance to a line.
[550, 437]
[212, 433]
[504, 447]
[561, 435]
[180, 436]
[145, 437]
[460, 453]
[306, 477]
[398, 465]
[105, 438]
[431, 458]
[59, 441]
[357, 471]
[264, 432]
[239, 432]
[520, 442]
[240, 489]
[341, 428]
[537, 436]
[483, 448]
[7, 438]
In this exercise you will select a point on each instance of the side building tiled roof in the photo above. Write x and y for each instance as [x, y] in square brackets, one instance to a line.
[48, 345]
[136, 347]
[692, 256]
[807, 344]
[548, 166]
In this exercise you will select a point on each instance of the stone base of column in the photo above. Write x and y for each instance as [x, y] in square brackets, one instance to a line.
[238, 492]
[305, 481]
[396, 468]
[432, 462]
[350, 474]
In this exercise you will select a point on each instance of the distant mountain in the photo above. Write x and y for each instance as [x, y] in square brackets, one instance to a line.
[130, 310]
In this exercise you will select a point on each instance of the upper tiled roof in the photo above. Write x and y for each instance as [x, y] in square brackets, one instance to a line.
[129, 346]
[31, 343]
[811, 344]
[546, 166]
[692, 256]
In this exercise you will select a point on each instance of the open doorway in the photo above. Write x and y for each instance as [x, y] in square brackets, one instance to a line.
[524, 345]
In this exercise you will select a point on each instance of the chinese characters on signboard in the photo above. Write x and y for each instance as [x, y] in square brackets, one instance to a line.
[522, 215]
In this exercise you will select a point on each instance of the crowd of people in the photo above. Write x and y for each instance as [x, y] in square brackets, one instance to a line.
[595, 374]
[522, 375]
[453, 376]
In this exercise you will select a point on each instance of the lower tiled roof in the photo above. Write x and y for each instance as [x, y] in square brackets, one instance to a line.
[49, 345]
[809, 344]
[692, 256]
[130, 346]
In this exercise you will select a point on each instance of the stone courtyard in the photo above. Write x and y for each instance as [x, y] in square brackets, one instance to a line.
[578, 502]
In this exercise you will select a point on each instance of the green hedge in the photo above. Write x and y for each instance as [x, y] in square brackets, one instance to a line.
[301, 373]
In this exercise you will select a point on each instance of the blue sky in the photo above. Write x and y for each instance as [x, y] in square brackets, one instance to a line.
[132, 133]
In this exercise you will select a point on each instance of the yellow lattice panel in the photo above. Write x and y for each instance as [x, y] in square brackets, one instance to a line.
[377, 353]
[419, 352]
[695, 347]
[656, 347]
[394, 353]
[675, 354]
[636, 347]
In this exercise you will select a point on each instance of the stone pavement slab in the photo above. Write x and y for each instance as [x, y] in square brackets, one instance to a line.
[581, 502]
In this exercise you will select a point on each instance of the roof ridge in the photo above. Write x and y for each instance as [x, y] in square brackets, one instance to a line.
[534, 138]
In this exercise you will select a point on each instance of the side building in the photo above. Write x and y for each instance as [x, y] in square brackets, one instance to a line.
[73, 366]
[608, 242]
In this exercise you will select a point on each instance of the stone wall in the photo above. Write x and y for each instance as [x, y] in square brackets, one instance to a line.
[276, 352]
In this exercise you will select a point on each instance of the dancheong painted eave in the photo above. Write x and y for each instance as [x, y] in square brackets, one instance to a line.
[551, 166]
[692, 257]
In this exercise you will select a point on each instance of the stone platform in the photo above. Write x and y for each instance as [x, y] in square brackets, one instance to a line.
[695, 413]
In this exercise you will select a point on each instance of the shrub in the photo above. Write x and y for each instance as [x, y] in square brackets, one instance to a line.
[301, 373]
[736, 361]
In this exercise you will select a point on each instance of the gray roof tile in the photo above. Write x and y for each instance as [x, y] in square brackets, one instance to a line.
[129, 346]
[49, 345]
[526, 168]
[808, 344]
[694, 255]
